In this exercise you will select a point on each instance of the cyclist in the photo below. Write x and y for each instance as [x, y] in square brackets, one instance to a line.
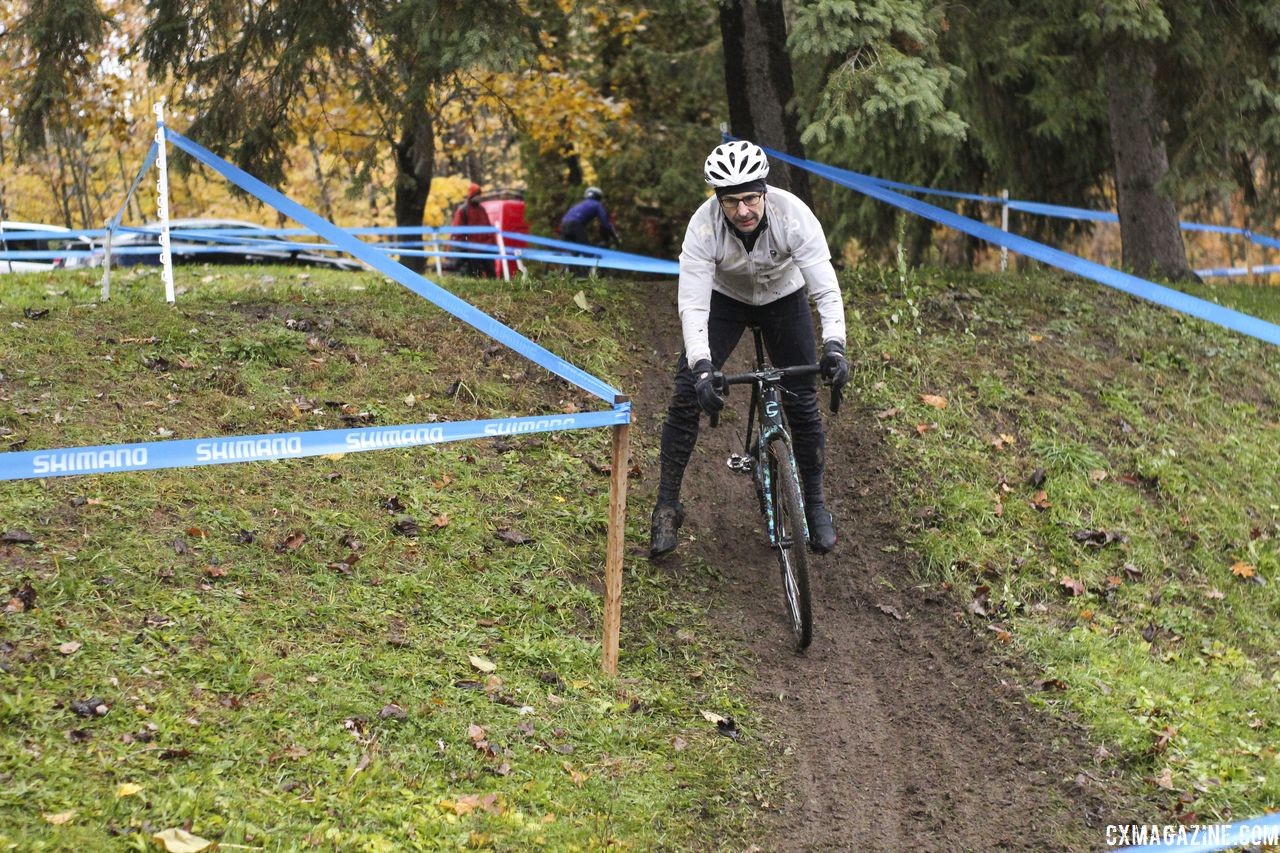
[751, 255]
[573, 226]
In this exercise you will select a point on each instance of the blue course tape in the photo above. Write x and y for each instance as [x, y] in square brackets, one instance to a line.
[1057, 210]
[379, 261]
[1201, 838]
[105, 459]
[1131, 284]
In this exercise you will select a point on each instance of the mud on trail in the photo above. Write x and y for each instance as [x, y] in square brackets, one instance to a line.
[899, 728]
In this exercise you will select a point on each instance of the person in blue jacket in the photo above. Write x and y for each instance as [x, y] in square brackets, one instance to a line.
[573, 226]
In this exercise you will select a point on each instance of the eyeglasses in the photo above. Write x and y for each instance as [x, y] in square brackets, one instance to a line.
[730, 203]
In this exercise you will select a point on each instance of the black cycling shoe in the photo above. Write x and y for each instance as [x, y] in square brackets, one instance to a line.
[667, 518]
[822, 531]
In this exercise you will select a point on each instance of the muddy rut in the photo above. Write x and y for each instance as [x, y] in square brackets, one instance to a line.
[900, 728]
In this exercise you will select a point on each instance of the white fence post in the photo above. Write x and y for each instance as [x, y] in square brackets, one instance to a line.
[162, 184]
[106, 266]
[1004, 226]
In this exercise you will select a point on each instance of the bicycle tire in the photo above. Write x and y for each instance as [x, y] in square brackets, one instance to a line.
[793, 546]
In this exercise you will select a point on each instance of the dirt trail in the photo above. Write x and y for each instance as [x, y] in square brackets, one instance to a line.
[897, 733]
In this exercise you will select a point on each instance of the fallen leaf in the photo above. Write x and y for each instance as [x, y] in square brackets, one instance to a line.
[292, 542]
[392, 711]
[1098, 538]
[1072, 586]
[512, 537]
[934, 400]
[94, 707]
[441, 520]
[1040, 501]
[580, 299]
[577, 776]
[60, 818]
[890, 610]
[978, 605]
[1163, 738]
[712, 717]
[921, 429]
[1214, 594]
[22, 598]
[69, 648]
[405, 526]
[728, 728]
[1097, 475]
[482, 664]
[679, 744]
[178, 840]
[1002, 633]
[469, 803]
[888, 413]
[1243, 570]
[127, 789]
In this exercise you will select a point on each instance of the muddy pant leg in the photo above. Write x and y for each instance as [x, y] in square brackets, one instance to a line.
[680, 431]
[679, 434]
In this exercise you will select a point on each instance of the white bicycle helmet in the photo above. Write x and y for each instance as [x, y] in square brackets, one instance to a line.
[733, 163]
[593, 192]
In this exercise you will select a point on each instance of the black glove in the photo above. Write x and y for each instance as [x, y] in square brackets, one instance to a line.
[708, 381]
[835, 370]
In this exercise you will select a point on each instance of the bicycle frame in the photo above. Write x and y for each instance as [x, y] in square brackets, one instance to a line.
[768, 454]
[766, 411]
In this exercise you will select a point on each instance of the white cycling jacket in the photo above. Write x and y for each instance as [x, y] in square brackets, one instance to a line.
[789, 254]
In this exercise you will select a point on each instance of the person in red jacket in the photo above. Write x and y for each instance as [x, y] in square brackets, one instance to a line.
[471, 212]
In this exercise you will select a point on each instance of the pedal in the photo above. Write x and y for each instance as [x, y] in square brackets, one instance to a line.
[742, 464]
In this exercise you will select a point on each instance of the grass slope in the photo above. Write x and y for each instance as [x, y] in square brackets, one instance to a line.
[283, 667]
[1101, 492]
[388, 650]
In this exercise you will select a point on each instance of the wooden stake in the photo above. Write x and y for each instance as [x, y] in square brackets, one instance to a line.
[614, 547]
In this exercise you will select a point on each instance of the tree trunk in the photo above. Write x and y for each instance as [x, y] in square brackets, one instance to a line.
[1149, 234]
[415, 164]
[758, 83]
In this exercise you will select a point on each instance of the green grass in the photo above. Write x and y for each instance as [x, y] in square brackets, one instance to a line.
[1157, 429]
[1090, 444]
[282, 669]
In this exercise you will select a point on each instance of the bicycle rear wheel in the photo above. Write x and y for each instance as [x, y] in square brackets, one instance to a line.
[792, 545]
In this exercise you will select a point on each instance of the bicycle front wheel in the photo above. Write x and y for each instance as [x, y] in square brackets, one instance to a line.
[791, 544]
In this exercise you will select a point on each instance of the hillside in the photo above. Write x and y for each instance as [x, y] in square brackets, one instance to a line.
[1045, 614]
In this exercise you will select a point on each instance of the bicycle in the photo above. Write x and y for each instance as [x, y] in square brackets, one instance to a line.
[777, 480]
